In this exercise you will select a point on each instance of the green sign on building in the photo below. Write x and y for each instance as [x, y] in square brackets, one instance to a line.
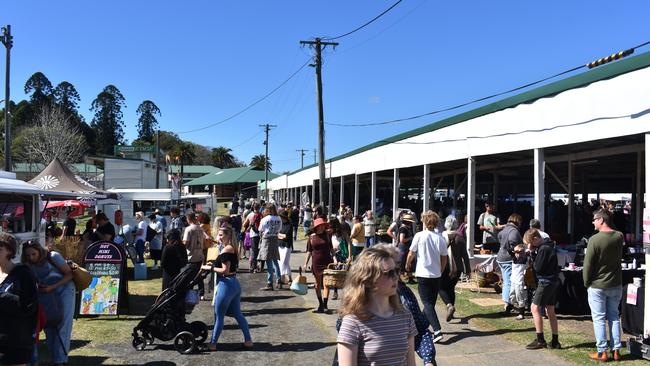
[123, 149]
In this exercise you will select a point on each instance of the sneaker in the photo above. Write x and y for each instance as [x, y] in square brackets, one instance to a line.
[437, 337]
[450, 312]
[616, 355]
[507, 309]
[536, 345]
[335, 296]
[268, 287]
[556, 345]
[154, 268]
[519, 317]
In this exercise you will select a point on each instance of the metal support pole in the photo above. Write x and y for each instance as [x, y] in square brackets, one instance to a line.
[495, 191]
[646, 237]
[373, 191]
[313, 193]
[356, 194]
[7, 40]
[426, 197]
[538, 179]
[471, 204]
[342, 189]
[455, 194]
[330, 204]
[638, 199]
[571, 207]
[396, 185]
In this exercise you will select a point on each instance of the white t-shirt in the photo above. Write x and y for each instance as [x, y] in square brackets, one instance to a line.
[369, 227]
[270, 226]
[428, 246]
[142, 226]
[335, 242]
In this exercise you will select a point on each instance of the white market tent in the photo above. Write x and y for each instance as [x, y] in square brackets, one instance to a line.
[600, 117]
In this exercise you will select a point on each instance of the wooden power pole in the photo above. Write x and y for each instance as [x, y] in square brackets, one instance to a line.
[267, 128]
[317, 44]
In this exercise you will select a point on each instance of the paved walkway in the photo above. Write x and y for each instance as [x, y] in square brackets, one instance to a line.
[287, 332]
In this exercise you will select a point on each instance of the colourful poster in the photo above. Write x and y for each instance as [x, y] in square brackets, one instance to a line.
[104, 261]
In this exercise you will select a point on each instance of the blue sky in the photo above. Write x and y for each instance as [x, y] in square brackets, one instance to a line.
[203, 61]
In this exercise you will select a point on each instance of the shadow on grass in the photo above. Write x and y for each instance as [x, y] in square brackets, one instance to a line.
[260, 299]
[275, 311]
[236, 326]
[473, 333]
[140, 304]
[591, 347]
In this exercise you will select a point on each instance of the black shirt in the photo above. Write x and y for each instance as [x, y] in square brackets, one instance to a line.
[227, 257]
[107, 229]
[69, 226]
[286, 229]
[174, 257]
[408, 234]
[545, 264]
[18, 309]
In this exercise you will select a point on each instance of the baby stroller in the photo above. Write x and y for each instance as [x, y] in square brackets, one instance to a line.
[166, 318]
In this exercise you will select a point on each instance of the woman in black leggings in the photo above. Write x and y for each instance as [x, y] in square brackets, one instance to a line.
[458, 263]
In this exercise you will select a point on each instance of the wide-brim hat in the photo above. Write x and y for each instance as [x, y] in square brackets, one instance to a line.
[319, 221]
[408, 217]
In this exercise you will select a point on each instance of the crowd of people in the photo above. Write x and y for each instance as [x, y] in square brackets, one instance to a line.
[379, 318]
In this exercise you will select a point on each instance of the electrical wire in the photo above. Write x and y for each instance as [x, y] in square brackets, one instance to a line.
[252, 104]
[364, 25]
[470, 102]
[247, 140]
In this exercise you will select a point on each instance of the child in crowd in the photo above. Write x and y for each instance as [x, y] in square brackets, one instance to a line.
[518, 294]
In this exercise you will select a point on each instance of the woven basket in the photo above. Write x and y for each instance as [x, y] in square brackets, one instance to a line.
[334, 278]
[71, 248]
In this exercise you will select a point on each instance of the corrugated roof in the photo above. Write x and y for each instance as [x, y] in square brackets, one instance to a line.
[230, 176]
[38, 167]
[604, 72]
[194, 169]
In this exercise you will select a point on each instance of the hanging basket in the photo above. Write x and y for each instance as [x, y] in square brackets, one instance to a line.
[334, 278]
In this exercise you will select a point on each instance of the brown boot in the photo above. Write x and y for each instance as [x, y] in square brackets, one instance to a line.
[599, 356]
[616, 355]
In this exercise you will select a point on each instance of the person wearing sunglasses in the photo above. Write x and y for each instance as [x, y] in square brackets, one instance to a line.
[375, 327]
[18, 306]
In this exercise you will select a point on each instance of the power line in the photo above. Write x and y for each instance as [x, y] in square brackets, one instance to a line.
[252, 104]
[364, 25]
[245, 141]
[626, 53]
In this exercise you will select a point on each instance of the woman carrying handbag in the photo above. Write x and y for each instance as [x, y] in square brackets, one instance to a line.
[54, 278]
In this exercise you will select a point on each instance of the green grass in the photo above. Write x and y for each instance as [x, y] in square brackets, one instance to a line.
[576, 341]
[89, 334]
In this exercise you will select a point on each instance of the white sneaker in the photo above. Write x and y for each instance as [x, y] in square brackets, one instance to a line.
[437, 337]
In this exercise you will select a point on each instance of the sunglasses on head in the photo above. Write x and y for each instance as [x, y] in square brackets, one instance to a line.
[391, 273]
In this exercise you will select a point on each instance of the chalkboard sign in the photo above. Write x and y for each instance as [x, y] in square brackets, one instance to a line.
[105, 261]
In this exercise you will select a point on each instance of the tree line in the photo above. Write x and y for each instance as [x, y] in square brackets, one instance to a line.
[49, 125]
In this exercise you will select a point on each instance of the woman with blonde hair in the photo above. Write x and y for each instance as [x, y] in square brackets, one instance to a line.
[375, 327]
[430, 248]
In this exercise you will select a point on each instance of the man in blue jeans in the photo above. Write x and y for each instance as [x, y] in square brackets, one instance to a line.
[603, 279]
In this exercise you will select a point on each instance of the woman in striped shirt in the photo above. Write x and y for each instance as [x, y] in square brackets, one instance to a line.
[375, 327]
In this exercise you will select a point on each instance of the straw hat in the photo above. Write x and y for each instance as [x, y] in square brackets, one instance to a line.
[408, 217]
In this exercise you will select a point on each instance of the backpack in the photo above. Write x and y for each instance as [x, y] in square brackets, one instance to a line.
[151, 233]
[257, 218]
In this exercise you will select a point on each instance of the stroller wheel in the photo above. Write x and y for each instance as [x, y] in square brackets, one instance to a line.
[149, 338]
[497, 288]
[184, 342]
[199, 330]
[139, 343]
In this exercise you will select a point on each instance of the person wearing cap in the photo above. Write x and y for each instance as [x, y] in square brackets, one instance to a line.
[405, 237]
[18, 306]
[269, 252]
[321, 253]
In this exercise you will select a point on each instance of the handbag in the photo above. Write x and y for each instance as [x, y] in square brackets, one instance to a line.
[53, 308]
[80, 276]
[191, 298]
[299, 284]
